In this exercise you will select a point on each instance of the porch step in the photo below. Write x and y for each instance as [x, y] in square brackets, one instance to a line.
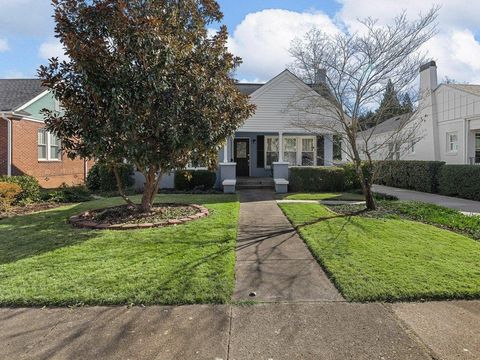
[255, 183]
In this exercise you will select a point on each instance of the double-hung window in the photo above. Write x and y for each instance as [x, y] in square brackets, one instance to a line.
[308, 151]
[337, 147]
[271, 150]
[297, 150]
[48, 146]
[290, 150]
[452, 142]
[393, 151]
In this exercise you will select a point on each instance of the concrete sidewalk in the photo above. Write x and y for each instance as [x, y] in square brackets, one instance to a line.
[272, 261]
[464, 205]
[279, 331]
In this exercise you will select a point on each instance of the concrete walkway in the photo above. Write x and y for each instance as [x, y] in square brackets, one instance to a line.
[272, 261]
[279, 331]
[464, 205]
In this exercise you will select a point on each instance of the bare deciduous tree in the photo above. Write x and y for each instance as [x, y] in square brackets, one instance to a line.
[354, 69]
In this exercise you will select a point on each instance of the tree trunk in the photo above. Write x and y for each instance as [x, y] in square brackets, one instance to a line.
[366, 183]
[120, 186]
[152, 183]
[369, 199]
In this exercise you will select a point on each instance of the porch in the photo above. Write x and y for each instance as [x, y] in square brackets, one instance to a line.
[258, 160]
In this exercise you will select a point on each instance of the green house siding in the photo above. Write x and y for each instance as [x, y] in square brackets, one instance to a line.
[45, 102]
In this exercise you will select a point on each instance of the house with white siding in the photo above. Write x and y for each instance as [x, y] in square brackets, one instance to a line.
[448, 124]
[268, 143]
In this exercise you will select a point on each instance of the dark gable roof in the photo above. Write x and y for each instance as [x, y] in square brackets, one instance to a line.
[248, 88]
[390, 124]
[16, 92]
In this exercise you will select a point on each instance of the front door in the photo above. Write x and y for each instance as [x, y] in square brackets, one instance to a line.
[241, 149]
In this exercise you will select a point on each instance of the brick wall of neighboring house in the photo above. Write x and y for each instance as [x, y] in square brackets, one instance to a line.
[3, 147]
[50, 174]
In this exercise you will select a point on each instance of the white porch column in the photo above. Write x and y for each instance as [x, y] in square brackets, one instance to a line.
[225, 152]
[280, 146]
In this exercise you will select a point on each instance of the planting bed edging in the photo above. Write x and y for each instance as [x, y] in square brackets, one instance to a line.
[81, 222]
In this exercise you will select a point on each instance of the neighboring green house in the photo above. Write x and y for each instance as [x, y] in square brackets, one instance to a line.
[25, 146]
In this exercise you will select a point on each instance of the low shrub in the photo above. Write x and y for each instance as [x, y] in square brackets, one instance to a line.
[414, 175]
[29, 185]
[68, 194]
[460, 180]
[317, 179]
[102, 178]
[351, 178]
[8, 194]
[186, 180]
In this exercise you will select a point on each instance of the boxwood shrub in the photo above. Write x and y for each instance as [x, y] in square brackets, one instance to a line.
[29, 185]
[186, 180]
[317, 178]
[102, 178]
[351, 179]
[460, 180]
[414, 175]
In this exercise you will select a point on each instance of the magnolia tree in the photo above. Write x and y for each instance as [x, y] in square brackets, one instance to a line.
[351, 71]
[144, 83]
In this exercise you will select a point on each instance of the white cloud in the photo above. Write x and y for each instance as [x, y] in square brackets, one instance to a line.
[454, 48]
[4, 45]
[263, 38]
[52, 48]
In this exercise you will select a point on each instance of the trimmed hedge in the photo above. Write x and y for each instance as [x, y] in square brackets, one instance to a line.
[460, 180]
[414, 175]
[351, 179]
[67, 194]
[186, 180]
[29, 185]
[102, 178]
[317, 178]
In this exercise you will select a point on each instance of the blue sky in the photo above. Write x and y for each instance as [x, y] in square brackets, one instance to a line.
[261, 32]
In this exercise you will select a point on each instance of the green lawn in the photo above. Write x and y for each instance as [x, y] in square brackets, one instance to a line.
[44, 261]
[389, 259]
[325, 196]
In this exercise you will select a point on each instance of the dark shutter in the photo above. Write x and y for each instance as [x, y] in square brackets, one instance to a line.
[260, 151]
[320, 150]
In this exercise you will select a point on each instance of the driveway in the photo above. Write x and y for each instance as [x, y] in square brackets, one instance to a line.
[464, 205]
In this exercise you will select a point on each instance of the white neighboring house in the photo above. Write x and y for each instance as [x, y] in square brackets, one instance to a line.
[447, 124]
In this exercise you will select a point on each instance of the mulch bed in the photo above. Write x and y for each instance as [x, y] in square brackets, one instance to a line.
[30, 208]
[127, 217]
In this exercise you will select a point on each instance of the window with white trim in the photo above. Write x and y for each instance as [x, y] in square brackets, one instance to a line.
[48, 145]
[452, 142]
[297, 150]
[337, 147]
[271, 150]
[308, 151]
[290, 150]
[393, 151]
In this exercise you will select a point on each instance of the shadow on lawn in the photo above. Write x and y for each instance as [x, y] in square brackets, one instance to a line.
[33, 234]
[29, 235]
